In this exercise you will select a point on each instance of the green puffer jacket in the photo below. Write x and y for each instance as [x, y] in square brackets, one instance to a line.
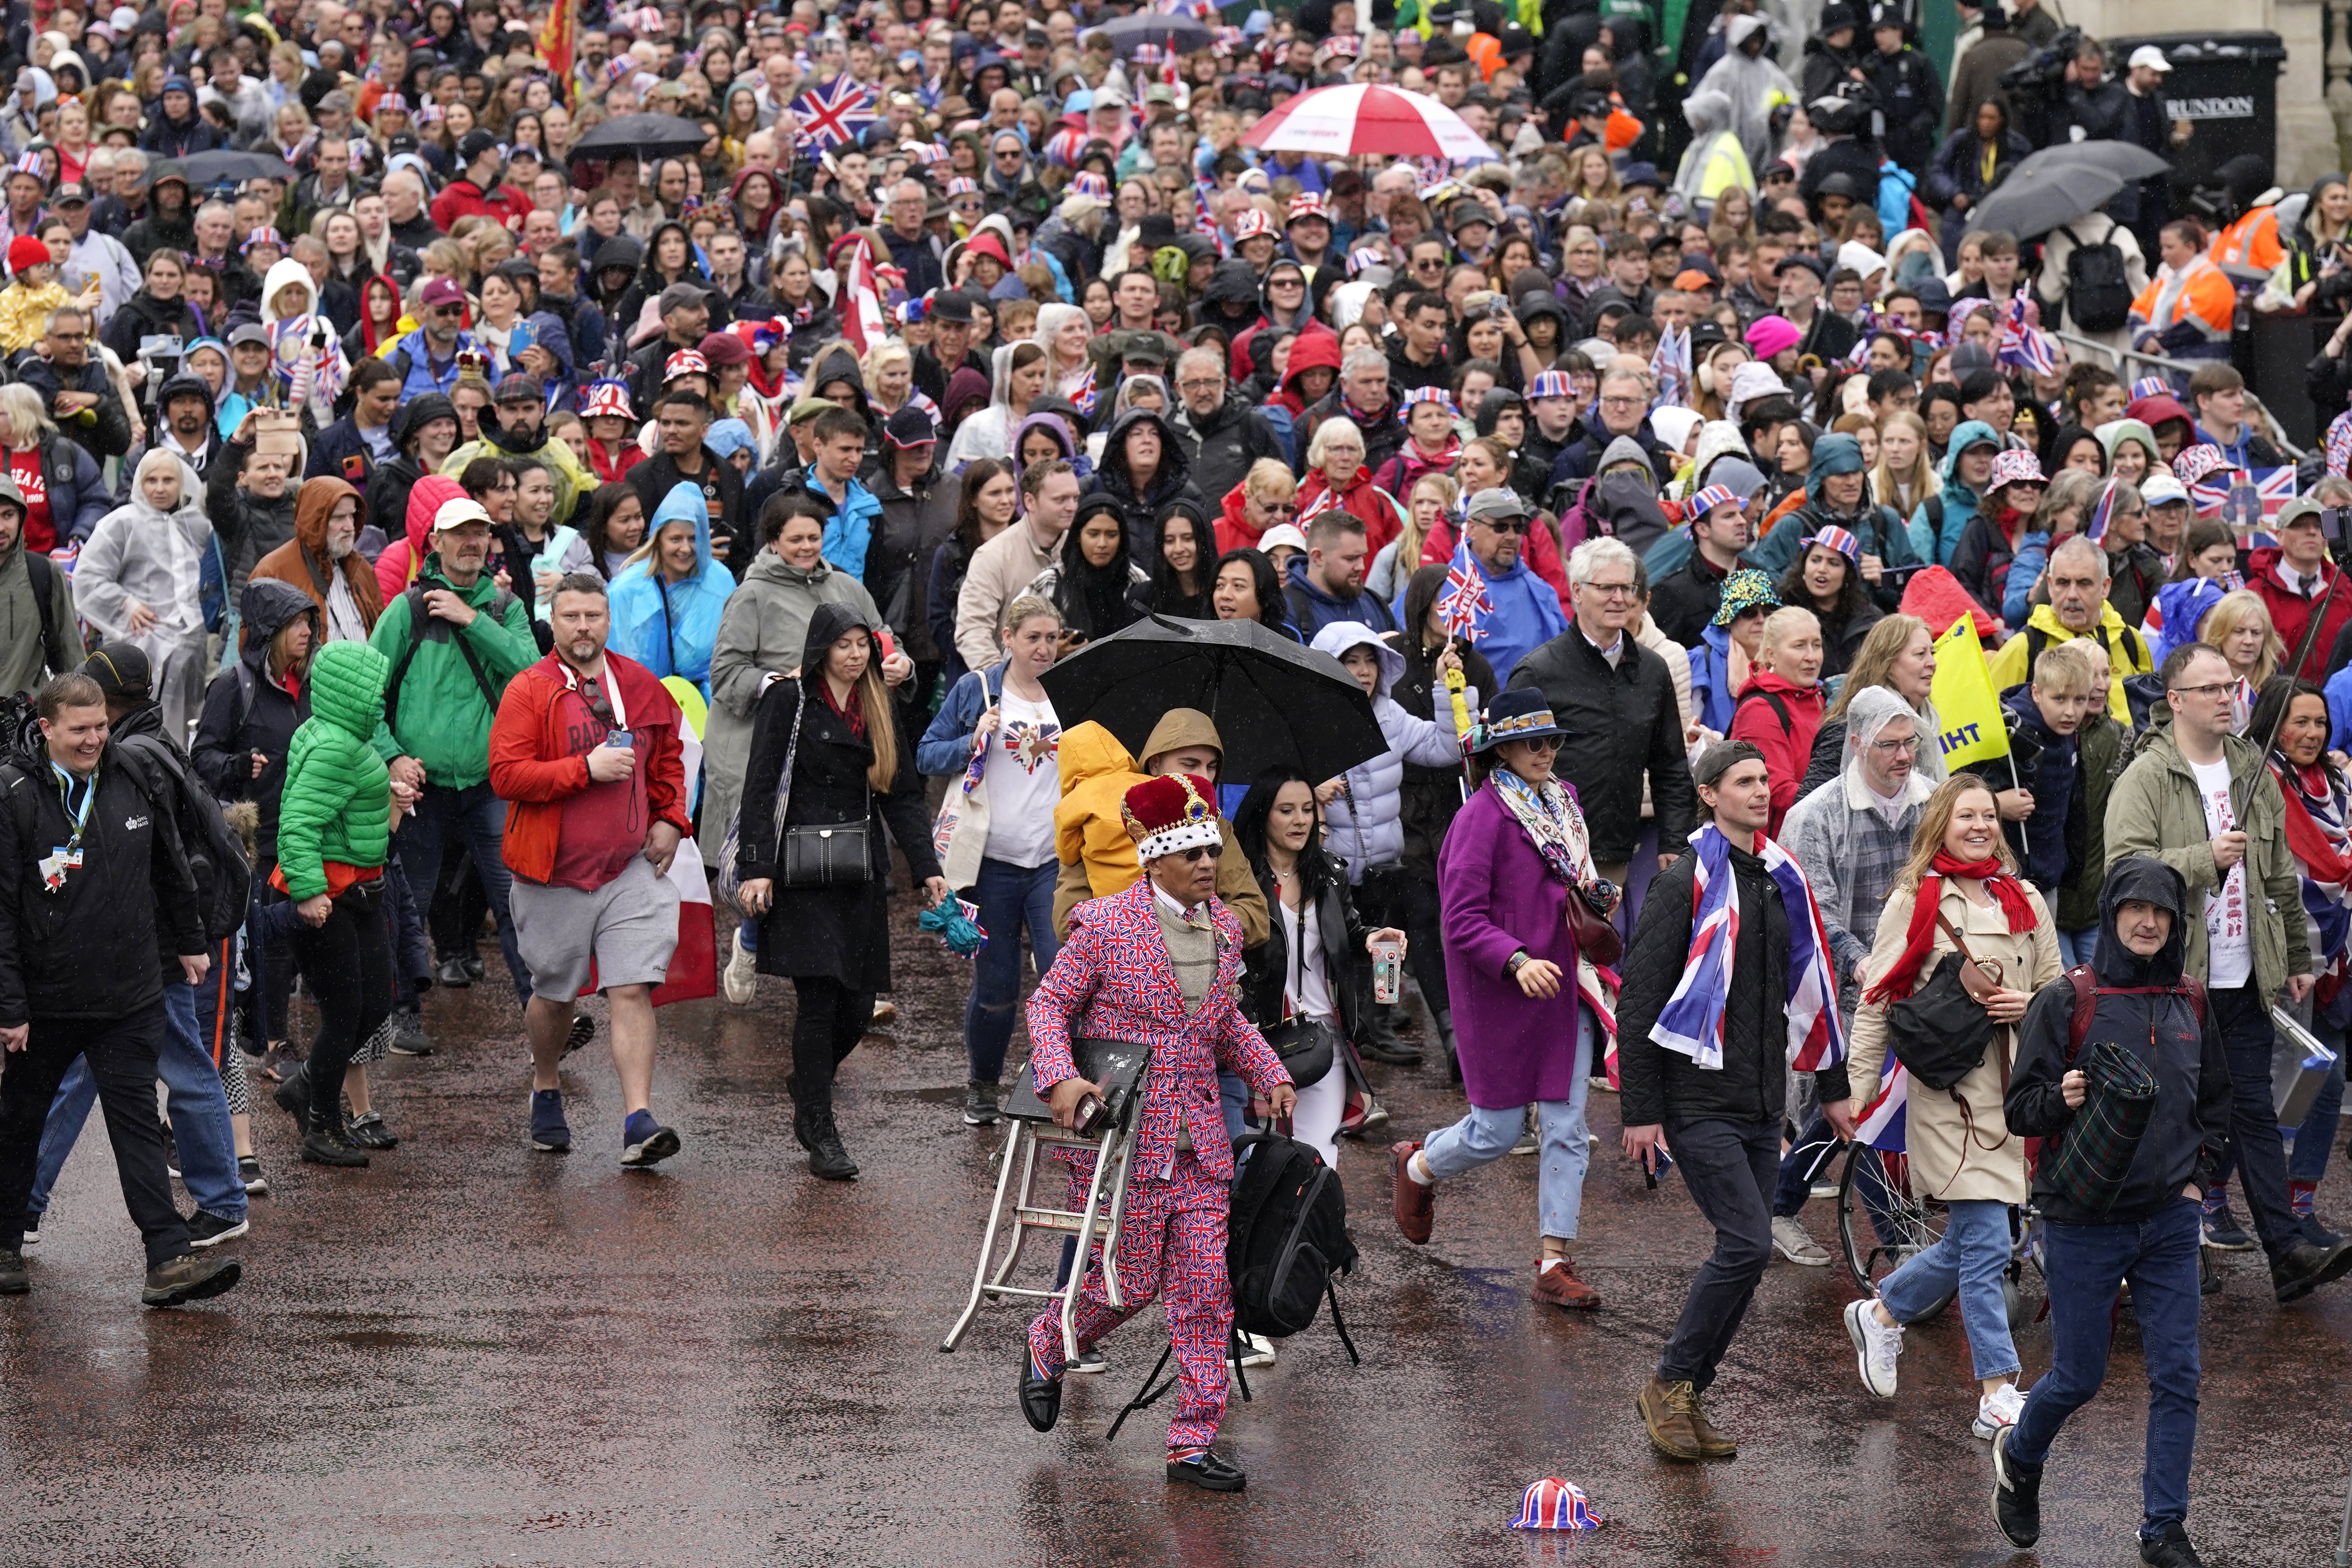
[441, 717]
[338, 800]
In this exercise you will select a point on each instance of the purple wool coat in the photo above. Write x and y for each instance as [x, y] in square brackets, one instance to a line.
[1498, 897]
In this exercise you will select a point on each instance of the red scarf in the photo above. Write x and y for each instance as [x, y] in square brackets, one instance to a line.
[1920, 940]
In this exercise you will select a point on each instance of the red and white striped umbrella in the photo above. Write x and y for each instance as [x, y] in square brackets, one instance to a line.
[1365, 117]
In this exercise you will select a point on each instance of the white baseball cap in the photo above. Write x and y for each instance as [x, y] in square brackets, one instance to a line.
[1280, 535]
[2160, 489]
[2148, 55]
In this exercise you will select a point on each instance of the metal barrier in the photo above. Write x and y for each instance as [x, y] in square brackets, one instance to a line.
[2178, 371]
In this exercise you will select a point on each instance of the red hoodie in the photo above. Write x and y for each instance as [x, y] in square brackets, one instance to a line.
[1315, 350]
[403, 559]
[1787, 745]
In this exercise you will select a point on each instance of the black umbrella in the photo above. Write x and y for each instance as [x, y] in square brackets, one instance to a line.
[223, 166]
[2062, 183]
[645, 135]
[1274, 702]
[1182, 34]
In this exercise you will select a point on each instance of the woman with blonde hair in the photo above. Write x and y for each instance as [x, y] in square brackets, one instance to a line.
[888, 368]
[1958, 899]
[1713, 380]
[72, 499]
[1903, 477]
[2239, 629]
[1429, 506]
[1061, 331]
[1595, 177]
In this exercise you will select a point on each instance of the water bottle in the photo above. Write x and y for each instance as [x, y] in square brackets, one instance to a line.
[2242, 508]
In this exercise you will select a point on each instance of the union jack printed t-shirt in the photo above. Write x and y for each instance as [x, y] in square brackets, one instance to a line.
[1024, 781]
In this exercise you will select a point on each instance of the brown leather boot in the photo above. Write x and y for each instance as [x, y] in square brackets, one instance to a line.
[1712, 1442]
[1558, 1285]
[1666, 1411]
[1415, 1203]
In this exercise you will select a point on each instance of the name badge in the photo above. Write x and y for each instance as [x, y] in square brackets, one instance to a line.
[60, 861]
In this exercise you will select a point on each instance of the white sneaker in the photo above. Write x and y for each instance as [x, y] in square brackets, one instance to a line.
[1998, 1409]
[741, 978]
[1259, 1351]
[1876, 1346]
[1793, 1242]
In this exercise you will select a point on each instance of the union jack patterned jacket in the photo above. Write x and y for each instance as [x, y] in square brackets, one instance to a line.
[1113, 981]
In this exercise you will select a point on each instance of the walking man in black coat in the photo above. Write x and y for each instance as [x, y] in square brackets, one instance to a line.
[2148, 1235]
[1705, 1072]
[93, 889]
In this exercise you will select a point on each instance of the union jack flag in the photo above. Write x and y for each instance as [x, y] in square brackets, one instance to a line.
[1882, 1123]
[1465, 604]
[835, 114]
[2273, 486]
[2025, 346]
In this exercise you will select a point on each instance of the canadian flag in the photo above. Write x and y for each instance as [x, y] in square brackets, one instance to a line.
[856, 291]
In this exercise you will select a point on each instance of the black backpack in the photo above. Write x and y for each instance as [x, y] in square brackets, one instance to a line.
[214, 852]
[1285, 1236]
[2098, 295]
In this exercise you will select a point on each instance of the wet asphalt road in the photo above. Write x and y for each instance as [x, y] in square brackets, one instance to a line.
[474, 1355]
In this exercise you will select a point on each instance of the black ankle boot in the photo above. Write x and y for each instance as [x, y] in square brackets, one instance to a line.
[324, 1141]
[828, 1158]
[293, 1095]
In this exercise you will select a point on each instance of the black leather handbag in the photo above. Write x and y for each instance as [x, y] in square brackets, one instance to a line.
[1308, 1046]
[829, 855]
[1941, 1031]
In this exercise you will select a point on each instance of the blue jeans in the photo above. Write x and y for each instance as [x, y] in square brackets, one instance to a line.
[2074, 946]
[2306, 1159]
[476, 820]
[200, 1124]
[2082, 1264]
[1487, 1133]
[1970, 1257]
[1010, 896]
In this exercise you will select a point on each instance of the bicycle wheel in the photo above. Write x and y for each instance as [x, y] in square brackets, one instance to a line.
[1882, 1223]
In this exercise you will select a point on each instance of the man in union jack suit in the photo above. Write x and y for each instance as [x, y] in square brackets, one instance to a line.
[1156, 964]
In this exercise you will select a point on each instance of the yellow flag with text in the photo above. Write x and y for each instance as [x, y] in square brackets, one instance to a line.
[1967, 707]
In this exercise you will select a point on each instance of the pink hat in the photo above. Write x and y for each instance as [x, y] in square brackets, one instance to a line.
[1771, 336]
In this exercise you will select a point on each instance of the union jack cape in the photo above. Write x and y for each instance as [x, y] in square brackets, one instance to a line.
[1691, 1023]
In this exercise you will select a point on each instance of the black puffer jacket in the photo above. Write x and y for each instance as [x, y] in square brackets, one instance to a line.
[2185, 1140]
[1222, 447]
[1621, 724]
[1660, 1086]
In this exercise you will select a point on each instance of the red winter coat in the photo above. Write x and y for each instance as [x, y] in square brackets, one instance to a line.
[2291, 611]
[1788, 748]
[1382, 518]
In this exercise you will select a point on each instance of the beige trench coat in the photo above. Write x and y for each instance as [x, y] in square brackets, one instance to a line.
[1947, 1163]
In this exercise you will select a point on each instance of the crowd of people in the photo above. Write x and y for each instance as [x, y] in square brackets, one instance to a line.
[398, 509]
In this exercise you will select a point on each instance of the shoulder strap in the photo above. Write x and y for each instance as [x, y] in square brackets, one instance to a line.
[1780, 708]
[2087, 1002]
[413, 596]
[43, 572]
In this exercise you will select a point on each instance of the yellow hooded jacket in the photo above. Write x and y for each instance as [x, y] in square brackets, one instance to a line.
[1098, 856]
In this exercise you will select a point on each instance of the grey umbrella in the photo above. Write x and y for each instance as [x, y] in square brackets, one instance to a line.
[1183, 34]
[1274, 701]
[2059, 184]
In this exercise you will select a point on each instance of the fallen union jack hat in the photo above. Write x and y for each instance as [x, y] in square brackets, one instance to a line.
[1554, 1504]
